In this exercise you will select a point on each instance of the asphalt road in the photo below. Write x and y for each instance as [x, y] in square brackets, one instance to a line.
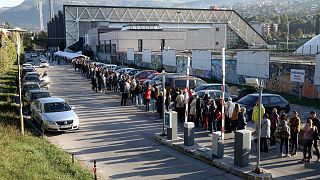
[119, 138]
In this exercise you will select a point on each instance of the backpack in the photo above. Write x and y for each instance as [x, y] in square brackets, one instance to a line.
[284, 133]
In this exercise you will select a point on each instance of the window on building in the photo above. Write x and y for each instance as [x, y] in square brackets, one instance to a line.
[217, 29]
[140, 45]
[163, 44]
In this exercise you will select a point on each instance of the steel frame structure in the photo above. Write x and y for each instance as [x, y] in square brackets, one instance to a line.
[118, 16]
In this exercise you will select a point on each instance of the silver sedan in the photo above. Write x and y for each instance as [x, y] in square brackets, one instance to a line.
[54, 114]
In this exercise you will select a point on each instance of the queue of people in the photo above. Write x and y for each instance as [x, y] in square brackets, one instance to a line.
[206, 112]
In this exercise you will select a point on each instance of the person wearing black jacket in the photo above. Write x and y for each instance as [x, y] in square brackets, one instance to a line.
[315, 122]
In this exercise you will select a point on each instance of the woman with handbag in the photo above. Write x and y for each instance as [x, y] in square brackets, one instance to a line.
[284, 133]
[309, 131]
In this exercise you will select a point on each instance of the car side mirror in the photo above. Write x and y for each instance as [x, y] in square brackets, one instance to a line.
[73, 108]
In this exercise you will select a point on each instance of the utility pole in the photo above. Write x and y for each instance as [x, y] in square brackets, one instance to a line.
[39, 7]
[51, 12]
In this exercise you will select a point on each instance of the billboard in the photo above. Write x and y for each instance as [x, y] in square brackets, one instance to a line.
[297, 75]
[253, 63]
[130, 54]
[169, 57]
[146, 55]
[201, 60]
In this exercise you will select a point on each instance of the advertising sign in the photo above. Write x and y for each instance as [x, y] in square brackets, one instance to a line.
[297, 75]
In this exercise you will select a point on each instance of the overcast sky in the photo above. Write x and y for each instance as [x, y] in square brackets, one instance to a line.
[10, 3]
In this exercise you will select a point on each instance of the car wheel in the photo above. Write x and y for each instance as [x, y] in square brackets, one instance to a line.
[42, 128]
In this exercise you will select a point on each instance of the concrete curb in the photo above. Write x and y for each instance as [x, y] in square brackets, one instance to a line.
[204, 154]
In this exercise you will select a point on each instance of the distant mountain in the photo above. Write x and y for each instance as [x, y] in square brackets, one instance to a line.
[4, 9]
[26, 14]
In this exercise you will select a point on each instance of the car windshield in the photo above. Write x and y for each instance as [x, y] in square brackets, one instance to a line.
[40, 95]
[32, 78]
[56, 107]
[248, 100]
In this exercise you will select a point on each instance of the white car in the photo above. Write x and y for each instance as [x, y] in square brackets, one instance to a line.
[54, 114]
[44, 63]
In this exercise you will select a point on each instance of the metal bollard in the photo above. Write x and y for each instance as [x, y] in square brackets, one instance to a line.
[95, 169]
[72, 158]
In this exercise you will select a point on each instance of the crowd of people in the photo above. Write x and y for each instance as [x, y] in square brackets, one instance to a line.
[206, 112]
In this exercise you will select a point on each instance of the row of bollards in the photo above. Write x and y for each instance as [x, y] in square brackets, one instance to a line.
[242, 142]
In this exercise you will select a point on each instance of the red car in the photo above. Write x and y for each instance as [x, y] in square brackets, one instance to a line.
[142, 76]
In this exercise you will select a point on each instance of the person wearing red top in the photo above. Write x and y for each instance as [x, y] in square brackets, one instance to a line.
[147, 97]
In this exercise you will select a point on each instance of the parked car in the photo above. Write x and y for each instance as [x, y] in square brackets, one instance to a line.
[180, 82]
[29, 86]
[110, 66]
[31, 78]
[141, 76]
[158, 78]
[269, 102]
[32, 74]
[26, 70]
[24, 65]
[214, 93]
[33, 95]
[124, 70]
[132, 72]
[211, 86]
[151, 76]
[54, 114]
[44, 63]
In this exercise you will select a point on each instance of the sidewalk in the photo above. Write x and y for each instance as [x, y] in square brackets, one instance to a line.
[279, 167]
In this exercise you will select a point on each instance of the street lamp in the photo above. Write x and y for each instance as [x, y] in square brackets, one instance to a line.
[258, 84]
[17, 31]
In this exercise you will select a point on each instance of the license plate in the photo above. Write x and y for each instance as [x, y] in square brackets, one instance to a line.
[65, 126]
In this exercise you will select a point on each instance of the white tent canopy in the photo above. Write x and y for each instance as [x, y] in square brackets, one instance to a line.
[310, 47]
[69, 55]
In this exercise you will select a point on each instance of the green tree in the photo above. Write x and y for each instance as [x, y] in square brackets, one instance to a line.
[7, 54]
[41, 39]
[27, 41]
[299, 33]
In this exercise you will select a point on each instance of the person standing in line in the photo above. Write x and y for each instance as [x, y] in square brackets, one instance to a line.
[133, 86]
[316, 123]
[255, 113]
[138, 94]
[294, 124]
[234, 117]
[274, 117]
[159, 104]
[205, 111]
[242, 121]
[229, 107]
[147, 97]
[284, 133]
[180, 106]
[218, 112]
[212, 117]
[199, 111]
[168, 99]
[265, 132]
[308, 136]
[192, 112]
